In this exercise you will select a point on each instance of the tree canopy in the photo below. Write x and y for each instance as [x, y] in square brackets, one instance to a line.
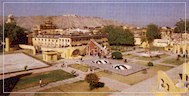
[118, 36]
[153, 32]
[15, 33]
[143, 39]
[180, 26]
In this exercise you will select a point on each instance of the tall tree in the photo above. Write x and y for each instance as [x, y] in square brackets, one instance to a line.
[152, 33]
[180, 26]
[143, 39]
[118, 36]
[107, 29]
[15, 33]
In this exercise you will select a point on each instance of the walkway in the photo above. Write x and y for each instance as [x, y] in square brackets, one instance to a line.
[114, 84]
[144, 88]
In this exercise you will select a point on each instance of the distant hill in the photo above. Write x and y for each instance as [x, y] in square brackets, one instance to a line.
[64, 21]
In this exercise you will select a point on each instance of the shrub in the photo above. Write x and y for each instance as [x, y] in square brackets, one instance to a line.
[117, 55]
[150, 64]
[91, 78]
[96, 85]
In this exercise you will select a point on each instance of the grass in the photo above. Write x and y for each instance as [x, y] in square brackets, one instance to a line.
[135, 77]
[47, 77]
[121, 48]
[141, 63]
[152, 58]
[174, 61]
[128, 56]
[155, 67]
[79, 86]
[79, 67]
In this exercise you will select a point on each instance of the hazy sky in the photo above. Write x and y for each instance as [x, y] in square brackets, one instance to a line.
[139, 14]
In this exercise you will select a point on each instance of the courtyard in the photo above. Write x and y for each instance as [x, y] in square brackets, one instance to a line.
[18, 62]
[110, 66]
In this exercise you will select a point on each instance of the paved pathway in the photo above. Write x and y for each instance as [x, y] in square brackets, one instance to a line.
[30, 71]
[114, 84]
[144, 88]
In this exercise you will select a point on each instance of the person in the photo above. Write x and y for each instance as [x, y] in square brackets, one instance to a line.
[40, 83]
[81, 59]
[125, 60]
[187, 83]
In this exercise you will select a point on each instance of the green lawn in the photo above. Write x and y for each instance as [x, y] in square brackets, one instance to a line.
[79, 86]
[152, 58]
[128, 56]
[174, 61]
[47, 77]
[156, 66]
[79, 67]
[135, 77]
[121, 48]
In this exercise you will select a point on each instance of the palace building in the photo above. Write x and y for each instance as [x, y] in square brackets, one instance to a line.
[61, 41]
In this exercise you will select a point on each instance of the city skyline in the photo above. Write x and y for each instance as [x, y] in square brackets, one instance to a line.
[139, 14]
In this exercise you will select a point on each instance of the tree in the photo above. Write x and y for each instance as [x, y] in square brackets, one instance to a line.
[180, 26]
[91, 78]
[118, 36]
[152, 33]
[143, 39]
[150, 64]
[106, 30]
[15, 33]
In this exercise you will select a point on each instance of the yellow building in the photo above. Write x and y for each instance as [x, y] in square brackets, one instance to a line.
[7, 44]
[179, 48]
[67, 52]
[138, 41]
[168, 87]
[145, 45]
[47, 28]
[160, 42]
[61, 41]
[49, 56]
[10, 19]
